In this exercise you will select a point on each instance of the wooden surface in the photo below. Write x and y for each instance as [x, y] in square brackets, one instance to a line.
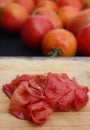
[10, 67]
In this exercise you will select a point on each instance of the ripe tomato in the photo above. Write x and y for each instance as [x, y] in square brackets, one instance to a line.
[29, 5]
[34, 29]
[67, 13]
[47, 4]
[79, 21]
[75, 3]
[83, 38]
[59, 42]
[13, 16]
[51, 15]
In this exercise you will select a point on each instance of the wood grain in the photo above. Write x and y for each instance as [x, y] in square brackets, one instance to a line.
[10, 67]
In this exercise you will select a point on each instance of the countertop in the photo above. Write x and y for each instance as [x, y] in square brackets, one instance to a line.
[74, 67]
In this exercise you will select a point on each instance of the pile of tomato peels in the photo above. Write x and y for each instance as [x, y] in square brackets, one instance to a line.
[35, 97]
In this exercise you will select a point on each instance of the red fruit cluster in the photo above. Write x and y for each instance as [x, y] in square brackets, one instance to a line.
[33, 19]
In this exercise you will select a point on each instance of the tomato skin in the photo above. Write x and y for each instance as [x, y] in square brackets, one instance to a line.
[13, 16]
[29, 5]
[82, 19]
[81, 98]
[83, 38]
[60, 38]
[19, 112]
[37, 96]
[11, 87]
[34, 29]
[66, 14]
[47, 4]
[75, 3]
[39, 111]
[51, 15]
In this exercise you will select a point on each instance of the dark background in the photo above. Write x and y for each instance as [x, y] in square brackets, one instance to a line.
[12, 45]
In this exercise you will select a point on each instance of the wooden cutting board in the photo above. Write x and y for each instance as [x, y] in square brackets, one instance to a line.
[10, 67]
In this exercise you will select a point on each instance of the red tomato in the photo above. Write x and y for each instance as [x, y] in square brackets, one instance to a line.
[34, 29]
[75, 3]
[19, 112]
[47, 4]
[23, 95]
[39, 111]
[51, 15]
[29, 5]
[83, 38]
[82, 19]
[61, 92]
[10, 88]
[81, 98]
[13, 16]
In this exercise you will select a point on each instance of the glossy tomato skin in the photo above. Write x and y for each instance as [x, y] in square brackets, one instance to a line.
[47, 4]
[83, 38]
[29, 5]
[36, 1]
[51, 15]
[62, 40]
[67, 13]
[34, 29]
[82, 19]
[13, 16]
[75, 3]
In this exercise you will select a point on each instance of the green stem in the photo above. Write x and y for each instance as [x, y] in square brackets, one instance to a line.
[55, 52]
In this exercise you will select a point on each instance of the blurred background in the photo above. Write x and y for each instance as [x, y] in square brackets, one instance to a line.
[11, 45]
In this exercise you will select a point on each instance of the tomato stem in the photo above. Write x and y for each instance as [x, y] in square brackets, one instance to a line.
[56, 52]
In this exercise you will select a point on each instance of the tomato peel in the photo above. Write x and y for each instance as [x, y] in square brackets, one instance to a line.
[35, 97]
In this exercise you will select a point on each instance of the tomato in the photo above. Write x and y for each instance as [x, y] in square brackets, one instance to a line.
[13, 16]
[29, 5]
[51, 15]
[59, 42]
[37, 96]
[33, 31]
[10, 88]
[19, 112]
[27, 95]
[47, 4]
[75, 3]
[23, 95]
[61, 93]
[79, 21]
[67, 13]
[83, 38]
[32, 79]
[39, 111]
[81, 98]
